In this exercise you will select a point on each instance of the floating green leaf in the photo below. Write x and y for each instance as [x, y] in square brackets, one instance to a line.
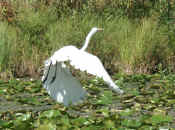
[157, 119]
[51, 113]
[132, 123]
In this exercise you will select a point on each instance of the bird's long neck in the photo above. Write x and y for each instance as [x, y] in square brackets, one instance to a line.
[87, 40]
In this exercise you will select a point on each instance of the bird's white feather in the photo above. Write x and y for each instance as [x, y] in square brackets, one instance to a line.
[85, 62]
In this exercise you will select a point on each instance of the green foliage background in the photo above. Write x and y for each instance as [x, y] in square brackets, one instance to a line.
[138, 35]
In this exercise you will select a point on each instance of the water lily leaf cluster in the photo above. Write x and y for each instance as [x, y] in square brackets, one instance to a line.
[148, 103]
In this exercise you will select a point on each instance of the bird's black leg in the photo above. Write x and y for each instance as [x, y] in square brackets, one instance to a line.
[47, 73]
[54, 77]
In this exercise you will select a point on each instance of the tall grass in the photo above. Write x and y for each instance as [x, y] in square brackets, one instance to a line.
[129, 46]
[8, 39]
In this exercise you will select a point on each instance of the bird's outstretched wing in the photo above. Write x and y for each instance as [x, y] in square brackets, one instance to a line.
[62, 87]
[60, 83]
[91, 64]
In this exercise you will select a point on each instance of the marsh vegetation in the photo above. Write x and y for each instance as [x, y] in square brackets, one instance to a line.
[137, 48]
[147, 104]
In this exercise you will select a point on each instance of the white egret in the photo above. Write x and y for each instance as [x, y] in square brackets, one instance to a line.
[58, 80]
